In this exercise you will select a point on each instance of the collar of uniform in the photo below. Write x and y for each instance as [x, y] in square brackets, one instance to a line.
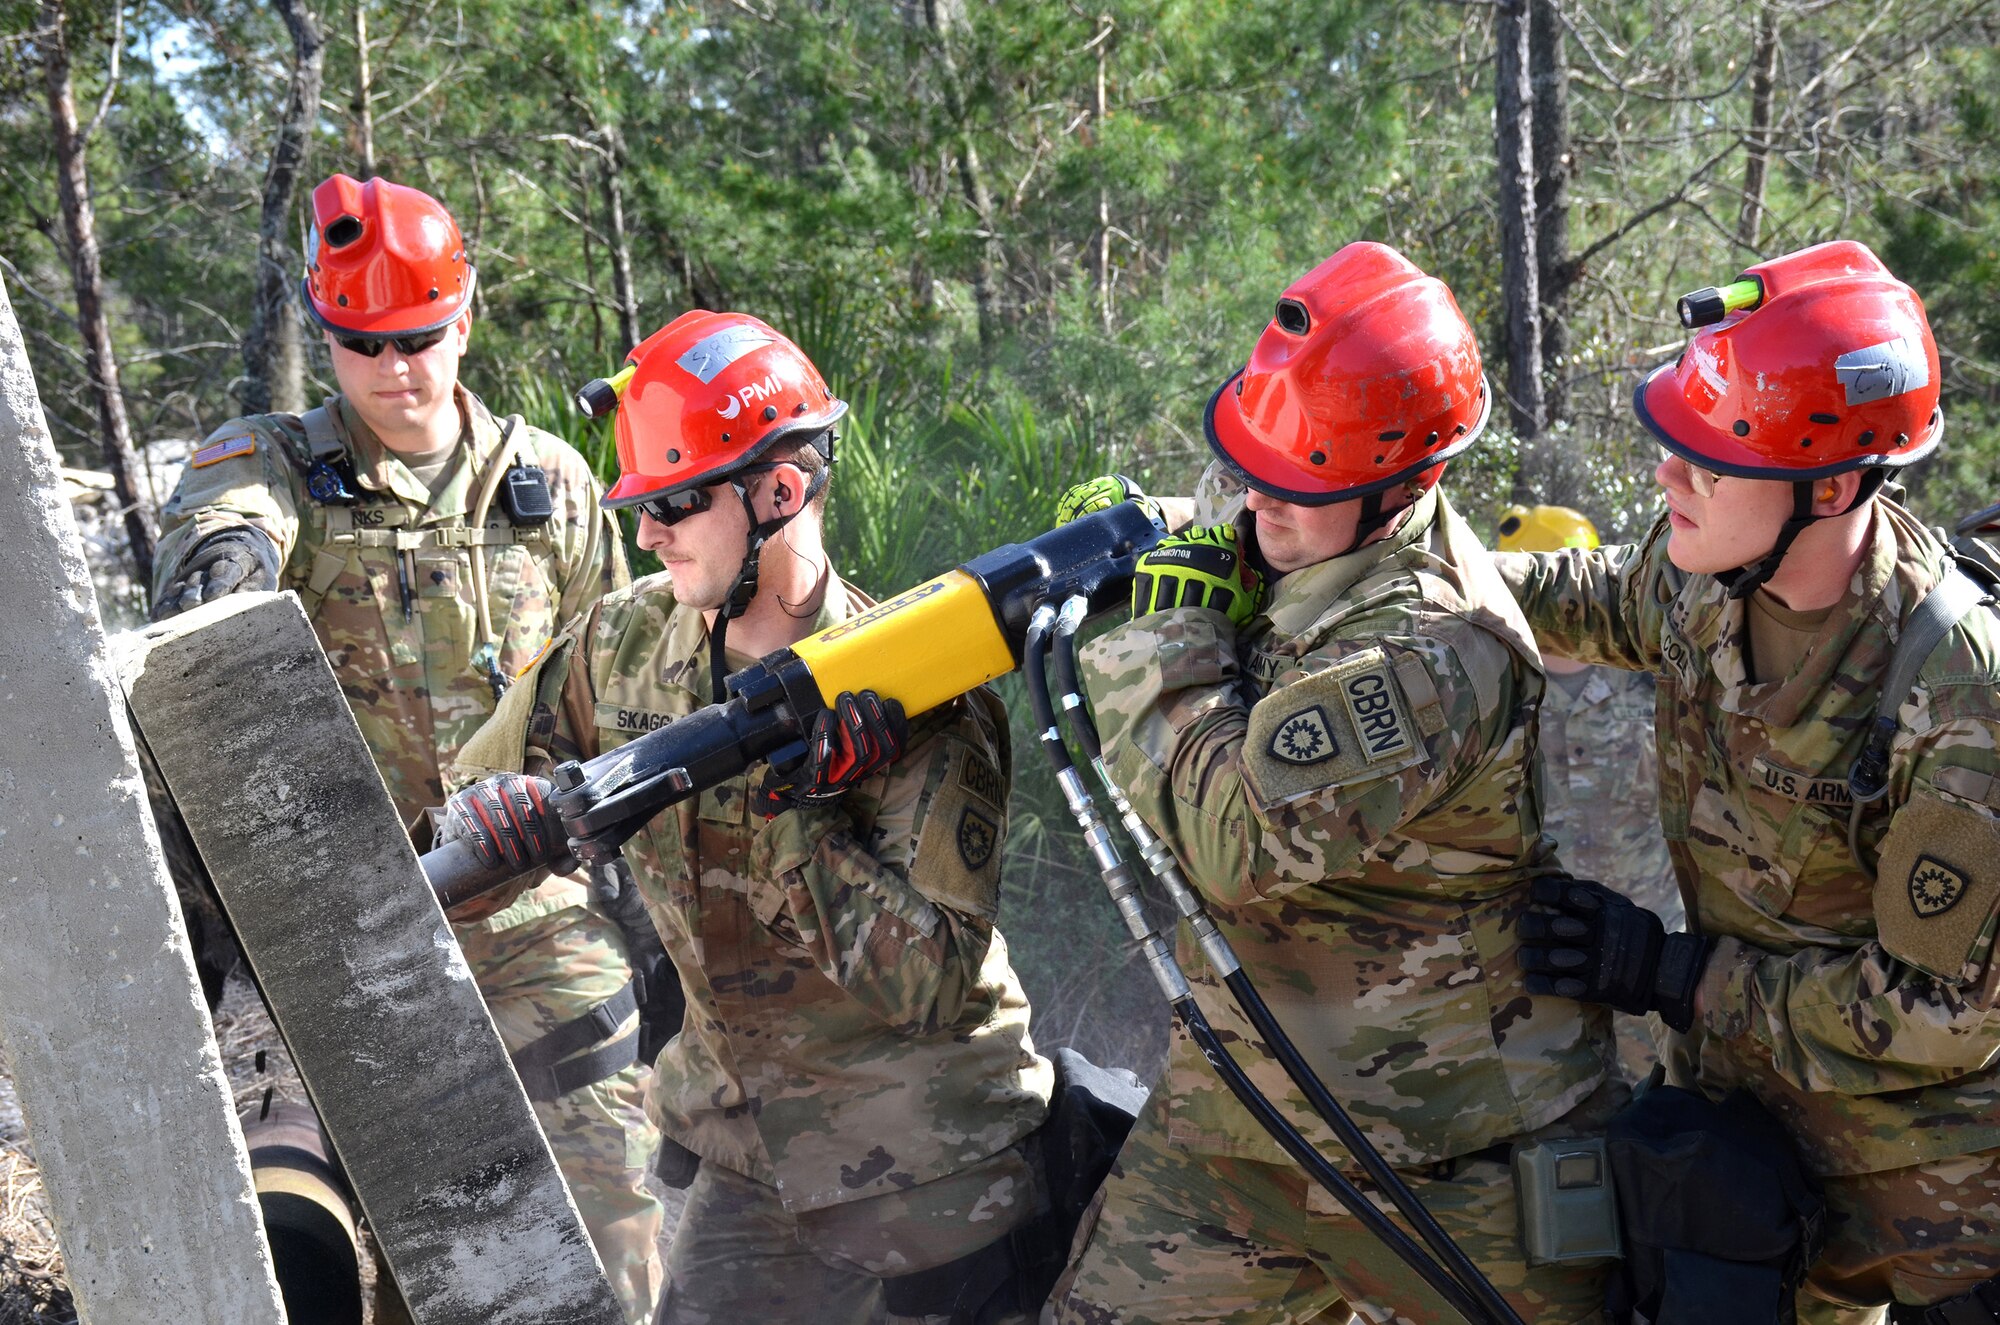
[380, 469]
[1871, 605]
[1299, 600]
[687, 630]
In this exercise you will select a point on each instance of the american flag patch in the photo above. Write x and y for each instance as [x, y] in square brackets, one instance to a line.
[242, 444]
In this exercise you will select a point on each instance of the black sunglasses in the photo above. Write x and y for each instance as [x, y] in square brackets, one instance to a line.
[675, 507]
[370, 346]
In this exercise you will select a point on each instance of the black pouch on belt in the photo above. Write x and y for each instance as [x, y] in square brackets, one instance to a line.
[1721, 1219]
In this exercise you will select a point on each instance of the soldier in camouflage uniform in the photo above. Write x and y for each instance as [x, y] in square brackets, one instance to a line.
[855, 1076]
[1348, 776]
[1845, 981]
[1601, 780]
[427, 591]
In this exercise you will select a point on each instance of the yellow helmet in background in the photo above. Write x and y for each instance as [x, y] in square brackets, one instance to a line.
[1544, 529]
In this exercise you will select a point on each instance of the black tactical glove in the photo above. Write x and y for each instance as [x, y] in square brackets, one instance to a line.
[1599, 947]
[233, 561]
[860, 735]
[508, 822]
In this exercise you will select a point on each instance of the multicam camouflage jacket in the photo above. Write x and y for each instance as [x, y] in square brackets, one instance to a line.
[1602, 783]
[1351, 783]
[853, 1025]
[410, 676]
[1857, 1009]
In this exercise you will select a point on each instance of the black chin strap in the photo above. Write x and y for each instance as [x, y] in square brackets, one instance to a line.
[1746, 580]
[744, 591]
[1374, 519]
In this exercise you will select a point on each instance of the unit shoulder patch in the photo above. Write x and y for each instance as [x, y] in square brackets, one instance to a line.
[959, 833]
[978, 834]
[1346, 723]
[1304, 738]
[225, 448]
[1937, 889]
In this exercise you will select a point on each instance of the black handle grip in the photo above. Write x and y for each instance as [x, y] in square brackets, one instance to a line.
[456, 875]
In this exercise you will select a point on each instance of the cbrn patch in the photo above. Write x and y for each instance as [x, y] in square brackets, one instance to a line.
[1304, 738]
[1937, 885]
[959, 828]
[1348, 723]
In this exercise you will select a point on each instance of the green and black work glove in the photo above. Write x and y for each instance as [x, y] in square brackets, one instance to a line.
[1597, 946]
[1101, 494]
[861, 735]
[1202, 567]
[233, 561]
[507, 822]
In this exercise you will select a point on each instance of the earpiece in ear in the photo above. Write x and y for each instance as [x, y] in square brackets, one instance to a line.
[784, 493]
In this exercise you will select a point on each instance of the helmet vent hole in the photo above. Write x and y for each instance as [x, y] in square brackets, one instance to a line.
[1865, 438]
[1393, 435]
[1318, 457]
[1741, 427]
[1431, 440]
[1292, 317]
[434, 293]
[1824, 418]
[1510, 526]
[1932, 423]
[770, 412]
[725, 437]
[1805, 442]
[341, 300]
[344, 231]
[1380, 459]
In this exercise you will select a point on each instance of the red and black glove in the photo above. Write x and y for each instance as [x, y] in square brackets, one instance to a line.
[507, 821]
[861, 735]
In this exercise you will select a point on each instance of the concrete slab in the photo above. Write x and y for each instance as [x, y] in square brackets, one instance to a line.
[114, 1058]
[244, 719]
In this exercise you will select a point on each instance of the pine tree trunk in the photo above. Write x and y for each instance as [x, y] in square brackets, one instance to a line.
[86, 268]
[273, 352]
[1513, 123]
[1549, 74]
[944, 16]
[1757, 162]
[364, 97]
[626, 292]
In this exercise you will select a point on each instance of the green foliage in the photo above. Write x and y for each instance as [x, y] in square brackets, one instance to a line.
[1011, 286]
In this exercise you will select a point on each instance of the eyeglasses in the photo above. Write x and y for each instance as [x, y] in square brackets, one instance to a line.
[675, 507]
[1703, 481]
[369, 347]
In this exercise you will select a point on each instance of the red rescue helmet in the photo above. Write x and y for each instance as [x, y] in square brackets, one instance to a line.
[1832, 368]
[1367, 377]
[383, 260]
[710, 393]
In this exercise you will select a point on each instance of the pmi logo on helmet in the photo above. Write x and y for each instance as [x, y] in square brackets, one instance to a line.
[710, 355]
[733, 403]
[1884, 370]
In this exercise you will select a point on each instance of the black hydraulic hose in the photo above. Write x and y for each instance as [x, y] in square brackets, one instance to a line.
[1384, 1178]
[1124, 891]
